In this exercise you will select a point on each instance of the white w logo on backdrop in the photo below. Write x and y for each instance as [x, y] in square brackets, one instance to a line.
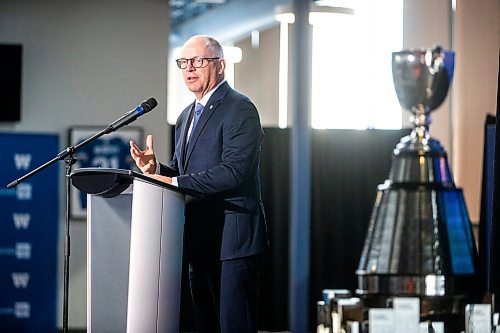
[22, 161]
[20, 280]
[21, 220]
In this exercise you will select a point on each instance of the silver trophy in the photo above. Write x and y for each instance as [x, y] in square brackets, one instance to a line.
[421, 79]
[419, 242]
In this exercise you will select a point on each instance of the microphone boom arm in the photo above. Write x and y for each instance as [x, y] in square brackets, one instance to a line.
[145, 107]
[68, 152]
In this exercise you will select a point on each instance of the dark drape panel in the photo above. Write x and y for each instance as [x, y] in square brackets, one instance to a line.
[274, 172]
[347, 166]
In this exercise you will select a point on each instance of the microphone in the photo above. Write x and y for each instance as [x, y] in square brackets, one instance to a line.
[133, 114]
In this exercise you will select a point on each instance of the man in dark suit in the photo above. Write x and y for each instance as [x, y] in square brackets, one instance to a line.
[217, 152]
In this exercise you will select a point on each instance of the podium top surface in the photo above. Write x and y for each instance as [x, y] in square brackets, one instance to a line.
[110, 182]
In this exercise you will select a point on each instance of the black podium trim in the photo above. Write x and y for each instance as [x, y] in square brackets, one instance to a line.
[109, 183]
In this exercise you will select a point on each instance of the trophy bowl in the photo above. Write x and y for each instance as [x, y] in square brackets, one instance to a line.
[422, 77]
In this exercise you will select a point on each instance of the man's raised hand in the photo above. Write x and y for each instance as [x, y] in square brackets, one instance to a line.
[144, 159]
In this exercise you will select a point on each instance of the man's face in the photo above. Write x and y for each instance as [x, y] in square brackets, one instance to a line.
[201, 80]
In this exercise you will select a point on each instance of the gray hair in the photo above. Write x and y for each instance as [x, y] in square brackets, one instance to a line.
[213, 46]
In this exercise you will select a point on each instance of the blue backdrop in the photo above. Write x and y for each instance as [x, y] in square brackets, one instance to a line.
[28, 234]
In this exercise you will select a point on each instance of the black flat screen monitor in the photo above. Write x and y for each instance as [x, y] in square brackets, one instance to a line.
[489, 231]
[486, 226]
[10, 82]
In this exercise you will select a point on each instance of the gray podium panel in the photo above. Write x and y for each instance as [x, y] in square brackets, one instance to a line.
[108, 249]
[134, 255]
[155, 259]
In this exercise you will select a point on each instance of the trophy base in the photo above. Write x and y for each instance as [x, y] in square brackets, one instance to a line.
[431, 286]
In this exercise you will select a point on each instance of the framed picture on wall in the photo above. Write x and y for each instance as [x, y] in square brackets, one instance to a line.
[109, 151]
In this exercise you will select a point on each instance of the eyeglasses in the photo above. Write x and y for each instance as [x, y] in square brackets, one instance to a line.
[196, 62]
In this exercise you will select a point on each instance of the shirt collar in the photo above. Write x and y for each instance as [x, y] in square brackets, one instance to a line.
[207, 96]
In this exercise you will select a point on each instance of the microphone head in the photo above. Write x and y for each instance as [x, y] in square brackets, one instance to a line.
[149, 104]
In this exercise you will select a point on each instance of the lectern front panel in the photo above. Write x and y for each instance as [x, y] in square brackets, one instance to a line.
[155, 259]
[108, 247]
[171, 257]
[134, 253]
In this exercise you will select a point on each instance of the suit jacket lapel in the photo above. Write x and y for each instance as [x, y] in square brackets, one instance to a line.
[209, 109]
[181, 148]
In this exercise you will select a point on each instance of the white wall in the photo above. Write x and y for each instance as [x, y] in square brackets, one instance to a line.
[477, 43]
[87, 63]
[257, 74]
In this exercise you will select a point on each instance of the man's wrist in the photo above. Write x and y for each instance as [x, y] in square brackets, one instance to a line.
[157, 171]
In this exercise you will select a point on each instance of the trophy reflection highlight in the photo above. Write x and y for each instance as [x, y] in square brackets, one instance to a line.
[419, 241]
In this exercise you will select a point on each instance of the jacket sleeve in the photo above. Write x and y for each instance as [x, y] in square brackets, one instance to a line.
[170, 170]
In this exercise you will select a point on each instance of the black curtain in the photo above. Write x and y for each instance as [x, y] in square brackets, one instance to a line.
[347, 166]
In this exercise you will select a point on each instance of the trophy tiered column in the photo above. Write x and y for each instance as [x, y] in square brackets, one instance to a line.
[419, 241]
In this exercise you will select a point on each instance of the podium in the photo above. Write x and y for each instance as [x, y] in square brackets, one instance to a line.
[134, 251]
